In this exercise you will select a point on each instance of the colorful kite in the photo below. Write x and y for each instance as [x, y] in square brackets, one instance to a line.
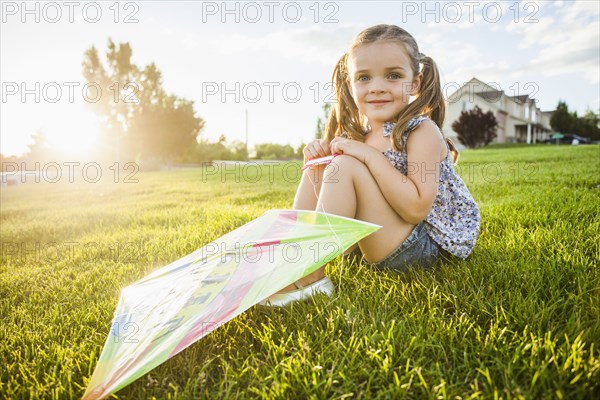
[168, 310]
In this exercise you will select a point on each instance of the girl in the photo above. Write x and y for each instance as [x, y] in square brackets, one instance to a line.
[394, 166]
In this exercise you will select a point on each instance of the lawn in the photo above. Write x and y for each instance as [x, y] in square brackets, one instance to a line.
[520, 318]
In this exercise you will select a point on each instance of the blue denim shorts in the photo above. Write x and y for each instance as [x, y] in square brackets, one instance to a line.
[417, 250]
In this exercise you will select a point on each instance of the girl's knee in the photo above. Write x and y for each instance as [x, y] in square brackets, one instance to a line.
[344, 163]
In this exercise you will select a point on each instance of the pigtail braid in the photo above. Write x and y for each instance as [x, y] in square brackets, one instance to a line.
[344, 116]
[429, 101]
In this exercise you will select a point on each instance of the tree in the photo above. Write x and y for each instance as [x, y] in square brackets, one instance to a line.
[590, 125]
[564, 121]
[299, 151]
[206, 151]
[475, 128]
[239, 150]
[163, 130]
[139, 116]
[108, 90]
[273, 151]
[561, 120]
[39, 150]
[7, 164]
[321, 122]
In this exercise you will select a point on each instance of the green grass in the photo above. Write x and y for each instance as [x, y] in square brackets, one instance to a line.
[519, 319]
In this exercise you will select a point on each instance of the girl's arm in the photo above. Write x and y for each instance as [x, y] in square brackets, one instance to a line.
[411, 195]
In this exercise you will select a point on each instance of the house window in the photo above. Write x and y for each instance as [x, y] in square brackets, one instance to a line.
[526, 111]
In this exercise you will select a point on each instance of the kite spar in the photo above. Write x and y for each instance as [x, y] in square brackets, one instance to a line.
[173, 307]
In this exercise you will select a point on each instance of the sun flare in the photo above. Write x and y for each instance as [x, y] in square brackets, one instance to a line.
[75, 135]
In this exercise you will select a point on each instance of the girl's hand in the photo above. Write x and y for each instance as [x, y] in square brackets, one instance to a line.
[360, 151]
[316, 149]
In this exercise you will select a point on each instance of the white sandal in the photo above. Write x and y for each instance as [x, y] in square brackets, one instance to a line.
[323, 285]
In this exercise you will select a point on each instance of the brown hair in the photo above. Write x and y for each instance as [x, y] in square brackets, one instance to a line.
[429, 101]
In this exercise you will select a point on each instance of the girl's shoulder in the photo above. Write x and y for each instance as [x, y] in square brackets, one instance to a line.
[410, 127]
[430, 136]
[415, 122]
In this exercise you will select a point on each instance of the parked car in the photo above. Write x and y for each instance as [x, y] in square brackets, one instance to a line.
[560, 138]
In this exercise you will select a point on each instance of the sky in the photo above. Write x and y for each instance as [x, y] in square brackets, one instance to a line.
[273, 60]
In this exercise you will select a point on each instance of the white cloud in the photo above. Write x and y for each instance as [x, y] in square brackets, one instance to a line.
[486, 71]
[450, 55]
[487, 14]
[565, 43]
[313, 44]
[584, 60]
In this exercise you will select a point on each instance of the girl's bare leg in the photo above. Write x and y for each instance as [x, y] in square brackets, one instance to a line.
[306, 198]
[309, 188]
[346, 187]
[351, 191]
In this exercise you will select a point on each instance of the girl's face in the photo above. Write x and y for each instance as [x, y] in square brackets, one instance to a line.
[381, 80]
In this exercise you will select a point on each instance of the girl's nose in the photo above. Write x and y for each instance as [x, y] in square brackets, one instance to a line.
[377, 89]
[377, 85]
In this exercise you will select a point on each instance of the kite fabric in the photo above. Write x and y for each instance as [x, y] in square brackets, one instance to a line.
[174, 306]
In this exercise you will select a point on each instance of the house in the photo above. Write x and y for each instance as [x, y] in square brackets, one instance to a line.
[519, 118]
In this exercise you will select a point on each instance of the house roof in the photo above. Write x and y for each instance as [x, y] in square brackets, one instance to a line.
[522, 98]
[490, 94]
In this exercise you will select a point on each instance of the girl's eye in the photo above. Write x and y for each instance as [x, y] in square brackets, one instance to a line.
[360, 78]
[395, 76]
